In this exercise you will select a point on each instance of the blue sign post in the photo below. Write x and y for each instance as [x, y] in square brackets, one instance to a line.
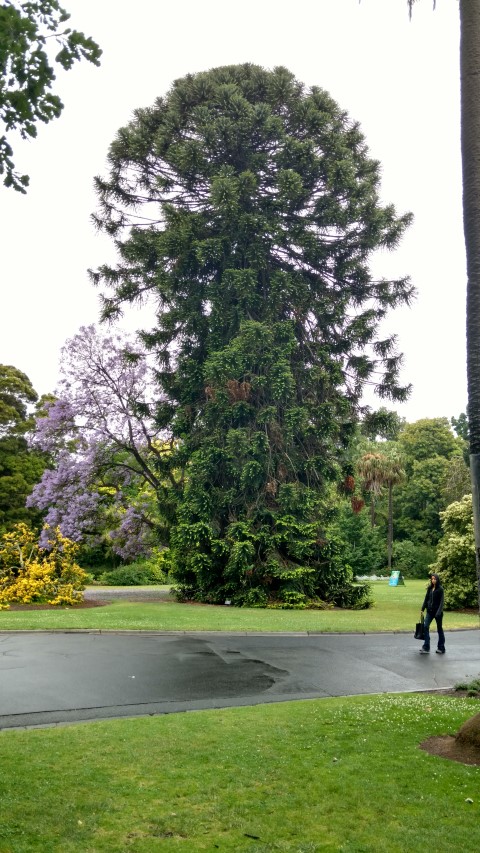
[396, 579]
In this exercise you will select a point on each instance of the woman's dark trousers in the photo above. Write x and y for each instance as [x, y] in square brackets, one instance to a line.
[441, 636]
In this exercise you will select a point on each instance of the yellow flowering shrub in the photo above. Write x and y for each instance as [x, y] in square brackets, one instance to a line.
[31, 574]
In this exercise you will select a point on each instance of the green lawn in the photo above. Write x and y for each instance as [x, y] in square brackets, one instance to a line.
[396, 609]
[297, 777]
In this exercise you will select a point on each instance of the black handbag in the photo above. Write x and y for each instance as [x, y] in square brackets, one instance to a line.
[420, 629]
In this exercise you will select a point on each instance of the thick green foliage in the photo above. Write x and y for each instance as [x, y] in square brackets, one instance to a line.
[433, 459]
[140, 573]
[456, 555]
[428, 438]
[261, 210]
[365, 546]
[412, 559]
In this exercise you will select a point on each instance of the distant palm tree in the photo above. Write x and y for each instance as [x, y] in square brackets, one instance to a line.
[370, 467]
[394, 474]
[379, 471]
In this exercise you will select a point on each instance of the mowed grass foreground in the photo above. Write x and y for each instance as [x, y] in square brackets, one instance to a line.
[395, 609]
[322, 775]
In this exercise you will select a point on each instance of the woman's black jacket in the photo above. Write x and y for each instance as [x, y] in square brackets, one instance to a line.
[433, 601]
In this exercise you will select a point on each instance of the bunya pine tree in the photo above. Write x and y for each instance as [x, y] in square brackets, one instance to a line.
[247, 207]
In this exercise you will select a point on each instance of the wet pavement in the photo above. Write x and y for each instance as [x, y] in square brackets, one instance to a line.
[57, 677]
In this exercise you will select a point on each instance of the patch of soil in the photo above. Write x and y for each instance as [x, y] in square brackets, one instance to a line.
[80, 606]
[446, 746]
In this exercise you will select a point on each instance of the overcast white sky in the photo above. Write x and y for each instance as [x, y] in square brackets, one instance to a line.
[399, 79]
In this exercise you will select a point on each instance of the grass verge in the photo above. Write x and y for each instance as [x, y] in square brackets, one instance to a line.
[298, 777]
[396, 609]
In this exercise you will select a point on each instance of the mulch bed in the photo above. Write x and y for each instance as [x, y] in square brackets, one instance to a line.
[446, 746]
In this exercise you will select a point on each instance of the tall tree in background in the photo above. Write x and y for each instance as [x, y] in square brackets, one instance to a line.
[246, 205]
[27, 29]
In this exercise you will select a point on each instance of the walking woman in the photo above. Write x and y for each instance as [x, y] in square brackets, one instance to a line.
[433, 604]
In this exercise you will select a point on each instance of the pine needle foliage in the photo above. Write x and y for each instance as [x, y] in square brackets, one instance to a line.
[247, 207]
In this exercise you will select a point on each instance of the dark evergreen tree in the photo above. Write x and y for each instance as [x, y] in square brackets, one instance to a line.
[247, 206]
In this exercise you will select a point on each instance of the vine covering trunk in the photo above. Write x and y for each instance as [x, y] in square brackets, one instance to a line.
[470, 129]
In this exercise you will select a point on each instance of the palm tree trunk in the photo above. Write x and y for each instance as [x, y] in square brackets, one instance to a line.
[470, 132]
[390, 525]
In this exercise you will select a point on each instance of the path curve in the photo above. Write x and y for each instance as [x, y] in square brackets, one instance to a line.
[57, 677]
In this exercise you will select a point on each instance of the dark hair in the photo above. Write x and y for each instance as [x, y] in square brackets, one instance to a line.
[434, 575]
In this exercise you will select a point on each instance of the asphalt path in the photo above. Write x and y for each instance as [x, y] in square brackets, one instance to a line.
[59, 677]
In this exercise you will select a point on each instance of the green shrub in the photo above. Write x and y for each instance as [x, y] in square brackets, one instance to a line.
[455, 561]
[354, 597]
[254, 597]
[141, 573]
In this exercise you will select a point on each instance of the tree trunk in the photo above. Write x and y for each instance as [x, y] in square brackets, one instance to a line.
[470, 133]
[390, 526]
[469, 733]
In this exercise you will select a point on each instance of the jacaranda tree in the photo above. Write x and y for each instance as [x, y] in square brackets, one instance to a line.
[105, 451]
[247, 207]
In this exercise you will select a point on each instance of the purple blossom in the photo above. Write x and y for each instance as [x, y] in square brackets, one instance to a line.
[133, 538]
[103, 443]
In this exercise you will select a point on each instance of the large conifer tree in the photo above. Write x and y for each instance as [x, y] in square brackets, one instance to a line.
[247, 207]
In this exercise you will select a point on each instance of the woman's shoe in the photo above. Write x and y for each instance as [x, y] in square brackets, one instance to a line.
[424, 651]
[440, 651]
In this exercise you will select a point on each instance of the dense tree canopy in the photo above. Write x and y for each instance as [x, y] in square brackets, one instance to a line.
[27, 71]
[20, 466]
[16, 392]
[436, 469]
[247, 207]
